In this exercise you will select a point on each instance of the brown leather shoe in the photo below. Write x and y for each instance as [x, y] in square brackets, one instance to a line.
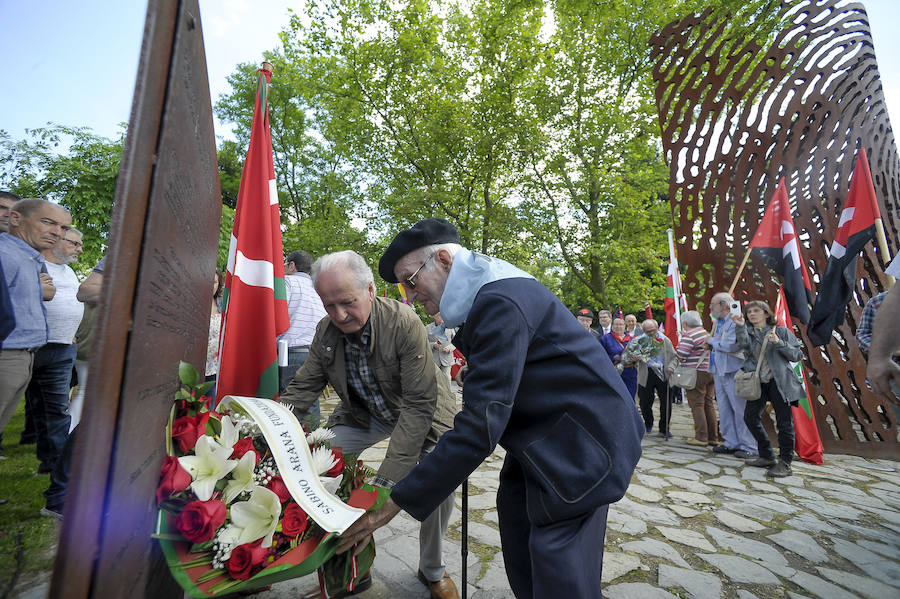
[363, 585]
[442, 589]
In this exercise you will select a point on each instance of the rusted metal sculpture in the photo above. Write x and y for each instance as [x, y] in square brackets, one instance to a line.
[746, 99]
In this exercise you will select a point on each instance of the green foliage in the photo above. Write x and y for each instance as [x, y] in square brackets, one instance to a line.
[83, 179]
[27, 539]
[79, 170]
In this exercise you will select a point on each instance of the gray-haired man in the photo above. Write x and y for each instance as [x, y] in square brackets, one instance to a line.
[374, 352]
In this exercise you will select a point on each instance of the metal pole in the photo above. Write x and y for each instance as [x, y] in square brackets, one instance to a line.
[465, 535]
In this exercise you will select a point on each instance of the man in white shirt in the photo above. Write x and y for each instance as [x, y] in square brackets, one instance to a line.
[47, 394]
[305, 310]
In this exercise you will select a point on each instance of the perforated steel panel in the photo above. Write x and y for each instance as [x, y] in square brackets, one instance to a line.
[736, 115]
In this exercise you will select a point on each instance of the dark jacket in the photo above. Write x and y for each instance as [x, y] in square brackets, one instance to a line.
[779, 356]
[413, 387]
[540, 386]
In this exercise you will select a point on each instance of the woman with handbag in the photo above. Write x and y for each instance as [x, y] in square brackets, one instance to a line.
[692, 375]
[615, 342]
[771, 350]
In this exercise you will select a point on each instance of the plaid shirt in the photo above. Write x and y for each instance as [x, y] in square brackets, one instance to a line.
[864, 329]
[362, 380]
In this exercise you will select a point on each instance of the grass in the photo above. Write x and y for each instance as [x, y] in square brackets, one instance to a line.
[27, 539]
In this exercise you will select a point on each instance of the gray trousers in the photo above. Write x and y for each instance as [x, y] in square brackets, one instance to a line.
[15, 372]
[431, 532]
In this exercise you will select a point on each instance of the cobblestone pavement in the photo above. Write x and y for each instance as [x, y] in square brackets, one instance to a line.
[692, 525]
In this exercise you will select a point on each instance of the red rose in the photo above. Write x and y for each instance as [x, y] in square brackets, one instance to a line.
[186, 430]
[173, 478]
[277, 486]
[339, 467]
[294, 521]
[199, 520]
[242, 447]
[244, 558]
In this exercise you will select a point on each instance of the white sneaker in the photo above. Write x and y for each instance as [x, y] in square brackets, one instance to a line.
[50, 513]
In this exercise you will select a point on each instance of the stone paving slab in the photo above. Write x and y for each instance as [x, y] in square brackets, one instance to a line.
[694, 524]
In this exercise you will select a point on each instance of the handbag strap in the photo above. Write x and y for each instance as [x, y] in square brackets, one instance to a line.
[762, 353]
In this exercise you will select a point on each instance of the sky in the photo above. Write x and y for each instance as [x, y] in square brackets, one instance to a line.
[74, 63]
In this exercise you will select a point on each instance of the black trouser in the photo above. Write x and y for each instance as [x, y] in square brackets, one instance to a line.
[660, 387]
[784, 422]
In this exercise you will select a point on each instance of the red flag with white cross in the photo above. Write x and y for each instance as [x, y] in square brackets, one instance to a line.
[254, 300]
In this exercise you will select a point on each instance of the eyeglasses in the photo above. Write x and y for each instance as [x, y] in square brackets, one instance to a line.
[77, 244]
[409, 280]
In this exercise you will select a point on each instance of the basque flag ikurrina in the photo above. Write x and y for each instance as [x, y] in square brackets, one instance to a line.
[856, 228]
[776, 243]
[254, 301]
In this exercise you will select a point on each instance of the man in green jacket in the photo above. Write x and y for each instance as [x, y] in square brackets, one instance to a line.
[374, 352]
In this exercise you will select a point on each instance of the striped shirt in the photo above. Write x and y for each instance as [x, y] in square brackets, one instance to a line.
[305, 310]
[690, 349]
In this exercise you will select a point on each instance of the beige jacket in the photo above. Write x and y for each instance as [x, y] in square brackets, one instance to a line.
[411, 383]
[669, 359]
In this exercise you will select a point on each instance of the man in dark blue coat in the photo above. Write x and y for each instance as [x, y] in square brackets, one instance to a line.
[541, 387]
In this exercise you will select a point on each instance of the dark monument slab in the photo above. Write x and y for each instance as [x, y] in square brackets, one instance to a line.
[154, 312]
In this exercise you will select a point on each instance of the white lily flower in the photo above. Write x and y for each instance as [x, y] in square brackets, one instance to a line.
[319, 436]
[323, 460]
[208, 466]
[331, 484]
[229, 435]
[241, 477]
[254, 519]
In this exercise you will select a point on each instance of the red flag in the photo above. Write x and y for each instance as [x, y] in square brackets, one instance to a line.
[856, 228]
[459, 361]
[254, 301]
[807, 443]
[776, 243]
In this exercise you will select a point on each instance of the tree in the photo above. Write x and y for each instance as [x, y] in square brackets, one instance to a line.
[83, 179]
[420, 98]
[79, 169]
[318, 191]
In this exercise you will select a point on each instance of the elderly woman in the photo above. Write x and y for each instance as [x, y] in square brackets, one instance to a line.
[778, 382]
[693, 353]
[615, 342]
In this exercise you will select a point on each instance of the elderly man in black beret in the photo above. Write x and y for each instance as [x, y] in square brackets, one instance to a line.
[540, 386]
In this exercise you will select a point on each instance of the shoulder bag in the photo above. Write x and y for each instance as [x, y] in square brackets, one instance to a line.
[685, 376]
[746, 384]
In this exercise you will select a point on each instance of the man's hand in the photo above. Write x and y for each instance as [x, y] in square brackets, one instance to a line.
[881, 371]
[357, 536]
[47, 286]
[446, 350]
[738, 319]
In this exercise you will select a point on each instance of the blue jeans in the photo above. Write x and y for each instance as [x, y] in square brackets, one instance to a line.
[55, 495]
[296, 358]
[48, 397]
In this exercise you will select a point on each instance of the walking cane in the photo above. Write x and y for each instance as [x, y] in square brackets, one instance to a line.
[669, 401]
[465, 534]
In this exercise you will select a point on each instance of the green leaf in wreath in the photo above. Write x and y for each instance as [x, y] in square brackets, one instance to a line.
[213, 427]
[188, 375]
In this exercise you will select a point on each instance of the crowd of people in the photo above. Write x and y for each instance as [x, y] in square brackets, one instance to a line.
[569, 403]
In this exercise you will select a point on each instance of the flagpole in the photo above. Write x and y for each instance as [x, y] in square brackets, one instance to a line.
[883, 248]
[740, 270]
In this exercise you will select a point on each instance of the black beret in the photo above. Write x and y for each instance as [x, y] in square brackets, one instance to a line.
[426, 232]
[585, 312]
